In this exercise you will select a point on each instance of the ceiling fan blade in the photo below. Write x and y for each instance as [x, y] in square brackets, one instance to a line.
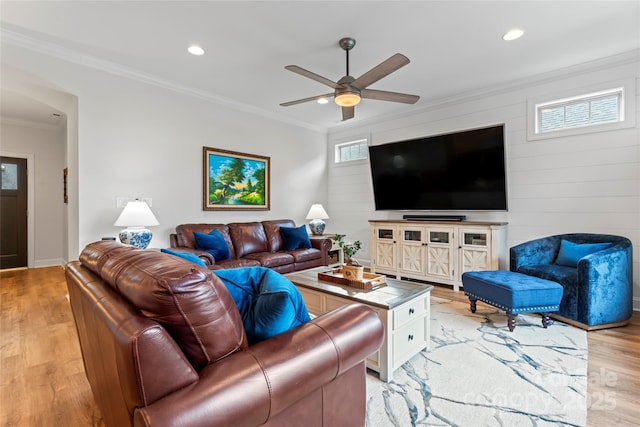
[311, 98]
[383, 95]
[381, 70]
[312, 76]
[347, 113]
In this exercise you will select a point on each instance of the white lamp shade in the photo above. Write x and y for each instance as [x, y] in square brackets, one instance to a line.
[316, 215]
[136, 214]
[317, 212]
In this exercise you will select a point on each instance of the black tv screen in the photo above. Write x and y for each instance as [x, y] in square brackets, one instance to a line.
[456, 171]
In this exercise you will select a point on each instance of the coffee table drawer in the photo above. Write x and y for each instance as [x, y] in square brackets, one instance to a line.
[407, 341]
[409, 312]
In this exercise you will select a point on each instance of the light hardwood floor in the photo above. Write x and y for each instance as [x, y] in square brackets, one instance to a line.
[42, 381]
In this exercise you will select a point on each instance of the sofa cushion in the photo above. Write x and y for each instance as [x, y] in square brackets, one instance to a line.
[295, 238]
[237, 263]
[213, 243]
[271, 259]
[184, 233]
[553, 272]
[306, 255]
[570, 253]
[191, 303]
[268, 302]
[248, 238]
[94, 256]
[272, 230]
[185, 255]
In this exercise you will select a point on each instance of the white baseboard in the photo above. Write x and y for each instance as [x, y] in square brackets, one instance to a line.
[48, 263]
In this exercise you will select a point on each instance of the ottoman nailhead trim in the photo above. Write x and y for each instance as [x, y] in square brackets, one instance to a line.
[537, 309]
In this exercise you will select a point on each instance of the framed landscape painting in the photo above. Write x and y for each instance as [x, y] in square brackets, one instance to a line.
[235, 181]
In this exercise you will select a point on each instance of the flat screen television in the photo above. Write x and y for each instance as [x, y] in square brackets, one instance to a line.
[460, 171]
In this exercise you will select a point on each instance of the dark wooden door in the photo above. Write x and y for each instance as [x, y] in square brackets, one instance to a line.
[13, 212]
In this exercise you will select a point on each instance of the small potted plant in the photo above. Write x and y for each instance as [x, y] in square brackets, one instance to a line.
[351, 268]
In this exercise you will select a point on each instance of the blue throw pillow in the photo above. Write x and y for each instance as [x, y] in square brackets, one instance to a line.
[186, 255]
[268, 302]
[570, 253]
[295, 238]
[213, 243]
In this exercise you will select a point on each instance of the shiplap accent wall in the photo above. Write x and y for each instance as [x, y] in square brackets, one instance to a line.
[581, 183]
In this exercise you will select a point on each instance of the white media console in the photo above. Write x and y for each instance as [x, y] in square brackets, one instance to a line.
[436, 251]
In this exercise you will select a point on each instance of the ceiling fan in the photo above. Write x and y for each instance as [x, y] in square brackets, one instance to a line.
[348, 91]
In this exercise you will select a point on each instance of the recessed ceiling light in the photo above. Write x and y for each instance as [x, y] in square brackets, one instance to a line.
[196, 50]
[323, 101]
[513, 34]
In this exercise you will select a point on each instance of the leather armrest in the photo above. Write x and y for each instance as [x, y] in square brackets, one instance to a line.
[203, 255]
[324, 246]
[249, 387]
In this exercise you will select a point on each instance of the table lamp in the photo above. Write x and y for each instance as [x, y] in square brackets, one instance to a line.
[136, 215]
[316, 215]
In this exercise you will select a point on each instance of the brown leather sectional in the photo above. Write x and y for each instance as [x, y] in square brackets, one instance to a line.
[253, 244]
[163, 345]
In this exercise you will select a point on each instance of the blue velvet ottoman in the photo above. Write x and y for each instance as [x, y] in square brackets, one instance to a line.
[512, 292]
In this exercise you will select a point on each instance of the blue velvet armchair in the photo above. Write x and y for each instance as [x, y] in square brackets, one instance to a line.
[598, 287]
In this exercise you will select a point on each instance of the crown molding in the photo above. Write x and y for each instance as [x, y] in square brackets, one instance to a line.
[18, 39]
[32, 124]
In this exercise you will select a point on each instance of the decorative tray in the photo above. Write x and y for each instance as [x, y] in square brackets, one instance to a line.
[368, 281]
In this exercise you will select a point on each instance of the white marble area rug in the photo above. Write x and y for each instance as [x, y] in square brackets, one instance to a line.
[477, 373]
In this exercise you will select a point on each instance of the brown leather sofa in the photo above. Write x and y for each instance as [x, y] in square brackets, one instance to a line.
[163, 345]
[253, 244]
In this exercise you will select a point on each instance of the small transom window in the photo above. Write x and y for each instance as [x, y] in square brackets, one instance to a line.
[353, 150]
[585, 110]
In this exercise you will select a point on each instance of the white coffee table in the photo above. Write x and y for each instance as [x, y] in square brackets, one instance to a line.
[403, 307]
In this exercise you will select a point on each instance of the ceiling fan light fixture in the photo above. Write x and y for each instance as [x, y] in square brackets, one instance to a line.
[347, 99]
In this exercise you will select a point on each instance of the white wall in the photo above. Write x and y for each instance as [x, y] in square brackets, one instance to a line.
[43, 147]
[140, 140]
[583, 183]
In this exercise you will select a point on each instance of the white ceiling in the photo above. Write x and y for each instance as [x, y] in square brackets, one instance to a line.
[455, 47]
